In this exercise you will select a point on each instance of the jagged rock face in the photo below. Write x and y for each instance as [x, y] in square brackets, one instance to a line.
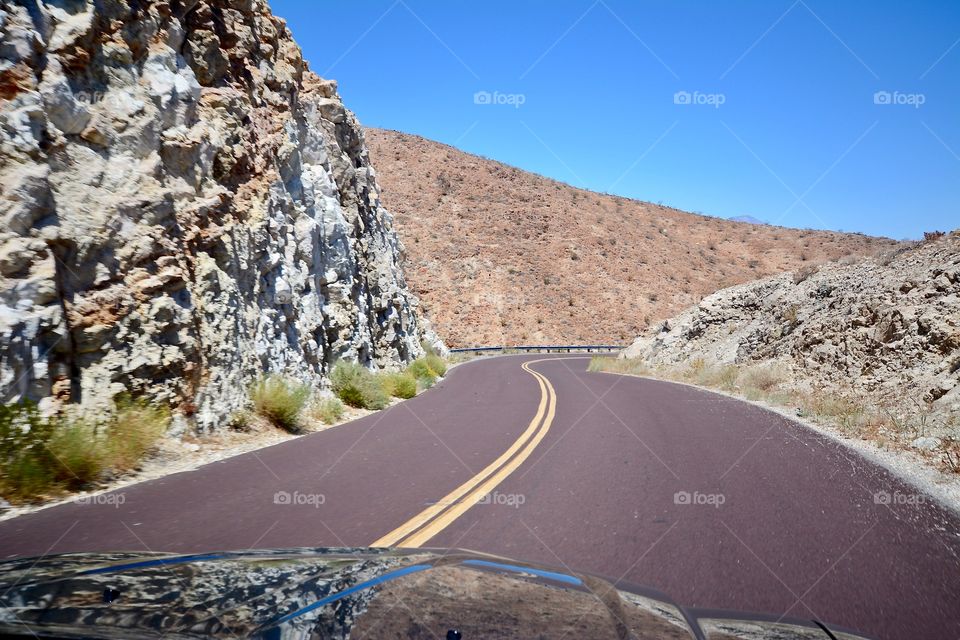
[185, 206]
[888, 326]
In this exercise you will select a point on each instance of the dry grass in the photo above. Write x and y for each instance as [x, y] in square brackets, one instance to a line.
[401, 385]
[46, 456]
[280, 400]
[358, 387]
[328, 410]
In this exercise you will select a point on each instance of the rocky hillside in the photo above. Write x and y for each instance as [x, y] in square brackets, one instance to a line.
[886, 328]
[499, 255]
[185, 206]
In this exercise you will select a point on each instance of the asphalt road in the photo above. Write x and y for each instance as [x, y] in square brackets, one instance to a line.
[716, 502]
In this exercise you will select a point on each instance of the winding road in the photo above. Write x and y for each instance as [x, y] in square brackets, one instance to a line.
[716, 502]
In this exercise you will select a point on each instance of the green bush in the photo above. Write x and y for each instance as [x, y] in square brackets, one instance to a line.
[422, 372]
[358, 387]
[436, 364]
[78, 451]
[326, 410]
[280, 400]
[27, 467]
[401, 385]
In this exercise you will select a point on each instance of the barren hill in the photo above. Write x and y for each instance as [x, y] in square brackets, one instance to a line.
[502, 256]
[886, 328]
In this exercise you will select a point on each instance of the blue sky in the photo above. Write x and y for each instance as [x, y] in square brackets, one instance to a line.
[779, 119]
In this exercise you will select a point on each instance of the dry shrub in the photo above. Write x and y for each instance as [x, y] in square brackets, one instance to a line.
[280, 400]
[358, 387]
[401, 385]
[950, 454]
[327, 410]
[763, 377]
[805, 272]
[41, 456]
[630, 366]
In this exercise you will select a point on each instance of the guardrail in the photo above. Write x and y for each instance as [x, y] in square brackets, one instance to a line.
[561, 348]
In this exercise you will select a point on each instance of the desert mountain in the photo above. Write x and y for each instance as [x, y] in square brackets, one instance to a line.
[502, 256]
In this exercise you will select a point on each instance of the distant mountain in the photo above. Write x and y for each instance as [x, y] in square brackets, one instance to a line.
[747, 219]
[502, 256]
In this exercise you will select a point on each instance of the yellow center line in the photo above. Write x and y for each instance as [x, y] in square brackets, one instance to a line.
[437, 517]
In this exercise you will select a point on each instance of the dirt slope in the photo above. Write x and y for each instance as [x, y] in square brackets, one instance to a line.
[502, 256]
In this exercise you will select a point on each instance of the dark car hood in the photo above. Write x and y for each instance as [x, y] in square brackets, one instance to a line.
[348, 593]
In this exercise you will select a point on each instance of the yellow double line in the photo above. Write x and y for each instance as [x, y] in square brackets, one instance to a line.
[436, 518]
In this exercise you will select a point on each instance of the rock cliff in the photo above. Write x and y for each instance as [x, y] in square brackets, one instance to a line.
[185, 206]
[886, 327]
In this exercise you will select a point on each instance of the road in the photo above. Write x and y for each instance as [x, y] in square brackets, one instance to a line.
[714, 501]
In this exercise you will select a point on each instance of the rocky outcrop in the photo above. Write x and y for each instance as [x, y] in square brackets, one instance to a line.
[887, 327]
[185, 206]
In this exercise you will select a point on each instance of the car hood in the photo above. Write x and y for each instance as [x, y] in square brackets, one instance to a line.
[349, 593]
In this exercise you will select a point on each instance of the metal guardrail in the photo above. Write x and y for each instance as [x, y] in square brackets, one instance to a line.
[561, 348]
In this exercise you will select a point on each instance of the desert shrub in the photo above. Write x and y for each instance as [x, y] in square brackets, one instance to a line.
[280, 400]
[436, 364]
[327, 410]
[848, 414]
[422, 372]
[241, 420]
[696, 367]
[401, 385]
[805, 272]
[950, 454]
[45, 455]
[932, 236]
[762, 378]
[357, 386]
[630, 366]
[27, 467]
[727, 377]
[134, 428]
[79, 452]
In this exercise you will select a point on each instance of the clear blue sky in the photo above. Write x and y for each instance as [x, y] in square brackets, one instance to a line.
[798, 139]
